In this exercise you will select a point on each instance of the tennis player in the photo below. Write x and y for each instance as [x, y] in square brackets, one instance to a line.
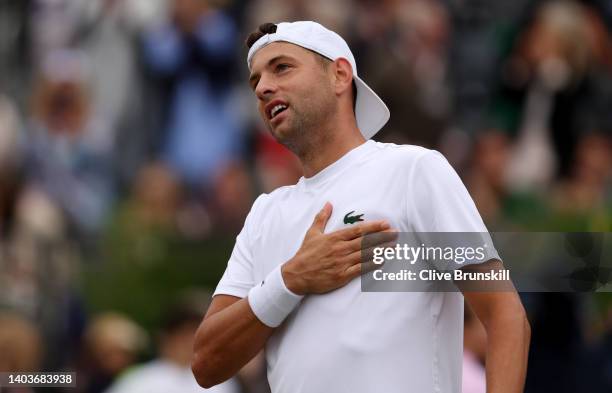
[291, 285]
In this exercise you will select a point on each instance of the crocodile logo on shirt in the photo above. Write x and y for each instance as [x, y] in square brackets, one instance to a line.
[348, 219]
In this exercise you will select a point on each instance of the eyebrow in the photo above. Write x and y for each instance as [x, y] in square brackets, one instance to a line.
[254, 78]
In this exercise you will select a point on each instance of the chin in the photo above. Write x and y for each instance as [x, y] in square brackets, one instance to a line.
[282, 133]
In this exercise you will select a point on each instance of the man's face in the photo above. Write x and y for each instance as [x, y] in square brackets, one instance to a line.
[294, 91]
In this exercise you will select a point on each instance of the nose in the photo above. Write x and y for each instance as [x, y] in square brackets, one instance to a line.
[265, 88]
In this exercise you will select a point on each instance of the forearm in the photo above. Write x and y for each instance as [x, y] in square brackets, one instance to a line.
[508, 337]
[226, 341]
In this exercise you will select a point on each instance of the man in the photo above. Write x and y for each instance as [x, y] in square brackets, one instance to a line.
[290, 285]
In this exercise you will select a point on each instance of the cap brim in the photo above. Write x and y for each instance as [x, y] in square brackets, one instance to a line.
[370, 111]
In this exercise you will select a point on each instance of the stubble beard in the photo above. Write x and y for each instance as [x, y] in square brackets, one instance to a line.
[308, 124]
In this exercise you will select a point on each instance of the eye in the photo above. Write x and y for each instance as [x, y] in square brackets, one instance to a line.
[282, 67]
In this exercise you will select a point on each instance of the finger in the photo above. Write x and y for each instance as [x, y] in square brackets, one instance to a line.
[385, 238]
[359, 230]
[362, 268]
[368, 254]
[320, 220]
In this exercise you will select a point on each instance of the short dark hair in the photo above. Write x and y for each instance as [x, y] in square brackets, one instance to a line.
[266, 28]
[270, 28]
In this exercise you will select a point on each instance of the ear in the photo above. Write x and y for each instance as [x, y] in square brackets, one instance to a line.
[343, 73]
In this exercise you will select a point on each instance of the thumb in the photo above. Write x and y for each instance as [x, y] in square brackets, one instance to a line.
[320, 220]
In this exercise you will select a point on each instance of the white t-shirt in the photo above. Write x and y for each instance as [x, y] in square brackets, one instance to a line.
[160, 376]
[348, 340]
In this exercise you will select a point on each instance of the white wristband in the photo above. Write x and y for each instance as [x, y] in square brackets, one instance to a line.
[271, 301]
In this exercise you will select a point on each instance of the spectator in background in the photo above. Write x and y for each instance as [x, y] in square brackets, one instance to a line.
[107, 31]
[68, 152]
[154, 202]
[104, 30]
[582, 201]
[37, 256]
[233, 195]
[372, 27]
[170, 372]
[193, 57]
[485, 177]
[555, 85]
[415, 47]
[478, 40]
[155, 212]
[120, 94]
[37, 272]
[112, 344]
[487, 181]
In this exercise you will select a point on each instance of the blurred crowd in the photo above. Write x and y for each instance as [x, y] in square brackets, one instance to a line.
[131, 151]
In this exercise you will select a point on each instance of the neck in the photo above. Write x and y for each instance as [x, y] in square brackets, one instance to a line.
[332, 144]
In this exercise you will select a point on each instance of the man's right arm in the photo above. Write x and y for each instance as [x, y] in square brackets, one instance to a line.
[231, 334]
[238, 336]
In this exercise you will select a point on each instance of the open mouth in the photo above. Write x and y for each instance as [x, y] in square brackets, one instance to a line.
[275, 107]
[276, 110]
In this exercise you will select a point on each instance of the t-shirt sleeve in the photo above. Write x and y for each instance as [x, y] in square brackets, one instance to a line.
[238, 277]
[438, 202]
